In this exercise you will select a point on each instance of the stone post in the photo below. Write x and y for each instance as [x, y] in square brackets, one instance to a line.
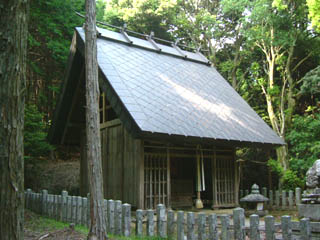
[139, 223]
[225, 222]
[64, 196]
[50, 205]
[270, 198]
[74, 209]
[290, 199]
[57, 207]
[213, 231]
[110, 216]
[305, 229]
[60, 206]
[27, 198]
[284, 199]
[270, 228]
[264, 192]
[277, 198]
[286, 227]
[150, 223]
[201, 226]
[44, 194]
[239, 224]
[254, 227]
[298, 196]
[118, 217]
[69, 203]
[161, 218]
[180, 225]
[170, 224]
[79, 210]
[126, 210]
[190, 226]
[84, 211]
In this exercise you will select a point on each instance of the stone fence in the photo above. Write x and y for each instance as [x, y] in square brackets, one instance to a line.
[170, 224]
[279, 199]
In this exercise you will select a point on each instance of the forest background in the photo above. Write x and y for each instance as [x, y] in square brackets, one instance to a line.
[269, 51]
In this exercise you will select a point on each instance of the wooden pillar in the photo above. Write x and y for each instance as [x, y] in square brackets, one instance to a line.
[236, 179]
[214, 187]
[168, 179]
[199, 203]
[140, 175]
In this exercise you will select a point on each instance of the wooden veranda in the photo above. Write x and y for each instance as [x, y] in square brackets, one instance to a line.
[165, 183]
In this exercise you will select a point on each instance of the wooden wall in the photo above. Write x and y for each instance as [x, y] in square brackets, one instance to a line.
[121, 162]
[122, 165]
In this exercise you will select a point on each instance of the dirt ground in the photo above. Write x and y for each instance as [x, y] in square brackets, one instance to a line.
[67, 234]
[37, 229]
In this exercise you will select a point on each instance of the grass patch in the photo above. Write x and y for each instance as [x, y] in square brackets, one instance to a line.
[279, 213]
[39, 224]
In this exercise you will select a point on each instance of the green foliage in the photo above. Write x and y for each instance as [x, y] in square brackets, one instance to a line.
[54, 21]
[142, 16]
[304, 142]
[275, 166]
[314, 13]
[289, 179]
[35, 143]
[311, 83]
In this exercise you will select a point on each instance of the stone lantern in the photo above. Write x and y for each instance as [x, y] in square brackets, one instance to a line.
[254, 202]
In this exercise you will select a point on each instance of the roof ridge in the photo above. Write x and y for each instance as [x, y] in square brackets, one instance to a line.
[149, 44]
[151, 38]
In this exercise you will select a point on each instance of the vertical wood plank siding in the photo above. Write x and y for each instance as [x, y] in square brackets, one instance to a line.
[121, 165]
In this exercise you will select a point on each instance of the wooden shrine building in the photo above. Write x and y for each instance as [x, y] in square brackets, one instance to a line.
[169, 123]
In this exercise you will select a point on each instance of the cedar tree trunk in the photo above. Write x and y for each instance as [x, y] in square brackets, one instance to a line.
[97, 216]
[13, 48]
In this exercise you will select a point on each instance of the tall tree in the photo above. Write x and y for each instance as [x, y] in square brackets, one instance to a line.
[274, 27]
[97, 216]
[13, 46]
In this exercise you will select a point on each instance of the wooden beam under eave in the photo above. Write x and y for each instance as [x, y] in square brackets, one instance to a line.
[111, 123]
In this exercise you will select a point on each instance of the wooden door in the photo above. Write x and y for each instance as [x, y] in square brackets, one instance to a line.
[223, 178]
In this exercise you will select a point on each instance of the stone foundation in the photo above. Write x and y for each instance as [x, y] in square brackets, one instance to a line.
[311, 211]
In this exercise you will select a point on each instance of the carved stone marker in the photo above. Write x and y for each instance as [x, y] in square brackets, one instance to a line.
[313, 175]
[310, 207]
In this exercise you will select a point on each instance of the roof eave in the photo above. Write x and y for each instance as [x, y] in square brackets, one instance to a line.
[203, 140]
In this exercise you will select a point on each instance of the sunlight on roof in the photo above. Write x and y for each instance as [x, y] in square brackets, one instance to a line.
[221, 110]
[198, 101]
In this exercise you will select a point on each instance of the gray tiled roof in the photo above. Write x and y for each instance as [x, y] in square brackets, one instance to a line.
[168, 94]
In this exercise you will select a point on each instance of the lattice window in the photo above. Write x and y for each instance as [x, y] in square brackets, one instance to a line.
[156, 179]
